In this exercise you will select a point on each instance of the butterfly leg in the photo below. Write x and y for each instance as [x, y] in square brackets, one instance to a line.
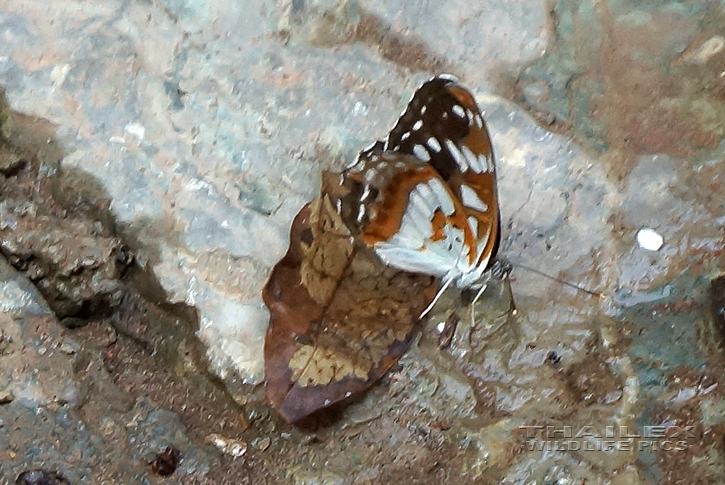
[501, 269]
[473, 303]
[446, 283]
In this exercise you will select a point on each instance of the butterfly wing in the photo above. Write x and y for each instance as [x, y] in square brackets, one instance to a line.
[441, 129]
[443, 126]
[408, 214]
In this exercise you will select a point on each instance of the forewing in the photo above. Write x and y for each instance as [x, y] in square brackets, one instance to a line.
[442, 126]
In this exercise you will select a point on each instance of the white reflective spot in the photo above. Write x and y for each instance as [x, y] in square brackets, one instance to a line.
[470, 114]
[136, 130]
[338, 206]
[420, 152]
[443, 197]
[433, 144]
[445, 115]
[440, 327]
[470, 198]
[369, 176]
[366, 192]
[457, 155]
[478, 120]
[417, 125]
[423, 109]
[649, 239]
[472, 159]
[459, 111]
[405, 136]
[59, 73]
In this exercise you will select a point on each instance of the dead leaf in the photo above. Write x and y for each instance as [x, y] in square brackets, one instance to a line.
[340, 318]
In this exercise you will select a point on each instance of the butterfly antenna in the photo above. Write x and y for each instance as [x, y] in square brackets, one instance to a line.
[566, 283]
[443, 288]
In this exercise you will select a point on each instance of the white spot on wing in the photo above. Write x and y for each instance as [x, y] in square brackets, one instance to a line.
[420, 152]
[470, 198]
[423, 109]
[459, 111]
[433, 144]
[473, 223]
[405, 136]
[472, 159]
[369, 176]
[427, 196]
[417, 125]
[366, 192]
[361, 212]
[485, 163]
[457, 155]
[442, 195]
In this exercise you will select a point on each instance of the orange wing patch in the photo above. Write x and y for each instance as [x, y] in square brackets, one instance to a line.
[438, 222]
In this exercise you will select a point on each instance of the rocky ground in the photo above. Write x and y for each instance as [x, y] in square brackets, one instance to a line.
[153, 155]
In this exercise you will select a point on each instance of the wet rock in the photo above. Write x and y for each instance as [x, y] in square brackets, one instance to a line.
[76, 270]
[41, 477]
[591, 381]
[35, 372]
[6, 396]
[11, 163]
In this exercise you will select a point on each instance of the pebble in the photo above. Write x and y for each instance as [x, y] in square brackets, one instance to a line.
[649, 239]
[230, 446]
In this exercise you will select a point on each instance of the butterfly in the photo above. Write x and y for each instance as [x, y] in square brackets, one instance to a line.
[348, 297]
[425, 198]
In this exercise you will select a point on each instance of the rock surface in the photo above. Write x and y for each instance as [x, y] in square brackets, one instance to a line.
[192, 133]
